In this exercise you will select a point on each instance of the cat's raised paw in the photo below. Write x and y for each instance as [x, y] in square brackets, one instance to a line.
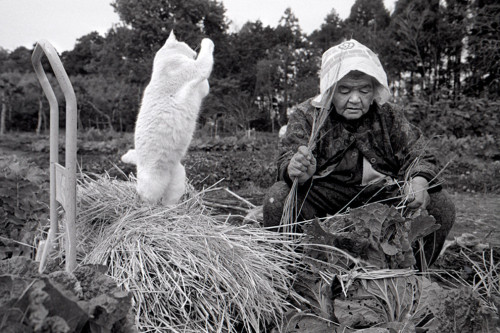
[207, 44]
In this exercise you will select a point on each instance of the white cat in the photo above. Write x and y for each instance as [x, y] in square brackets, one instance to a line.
[167, 118]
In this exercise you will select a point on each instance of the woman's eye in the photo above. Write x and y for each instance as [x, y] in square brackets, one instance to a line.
[365, 90]
[344, 90]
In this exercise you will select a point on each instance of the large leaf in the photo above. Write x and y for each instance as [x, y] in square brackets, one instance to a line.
[421, 226]
[457, 310]
[359, 309]
[61, 301]
[308, 323]
[376, 233]
[106, 310]
[378, 301]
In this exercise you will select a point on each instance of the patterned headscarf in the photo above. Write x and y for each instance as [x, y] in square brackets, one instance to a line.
[351, 55]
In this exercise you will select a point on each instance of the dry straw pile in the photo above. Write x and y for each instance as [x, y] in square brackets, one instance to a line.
[190, 272]
[187, 271]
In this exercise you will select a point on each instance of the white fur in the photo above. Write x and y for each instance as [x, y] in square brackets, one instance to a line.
[167, 118]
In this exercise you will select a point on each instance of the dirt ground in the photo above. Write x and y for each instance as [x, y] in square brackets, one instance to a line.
[476, 213]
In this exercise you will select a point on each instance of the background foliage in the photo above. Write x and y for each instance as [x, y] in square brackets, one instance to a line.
[434, 51]
[442, 60]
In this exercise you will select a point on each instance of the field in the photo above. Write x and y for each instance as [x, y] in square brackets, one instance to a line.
[237, 169]
[246, 167]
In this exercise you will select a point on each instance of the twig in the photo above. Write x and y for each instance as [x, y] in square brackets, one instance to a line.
[17, 242]
[238, 197]
[213, 204]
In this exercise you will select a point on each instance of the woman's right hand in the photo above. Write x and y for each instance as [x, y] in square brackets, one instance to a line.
[302, 165]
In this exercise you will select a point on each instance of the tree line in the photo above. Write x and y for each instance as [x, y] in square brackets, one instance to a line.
[431, 50]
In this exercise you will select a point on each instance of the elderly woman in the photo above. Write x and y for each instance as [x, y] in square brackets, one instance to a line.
[366, 150]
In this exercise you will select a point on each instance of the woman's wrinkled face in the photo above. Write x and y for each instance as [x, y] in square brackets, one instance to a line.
[354, 95]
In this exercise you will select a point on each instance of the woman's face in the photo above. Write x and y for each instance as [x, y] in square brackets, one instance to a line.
[354, 95]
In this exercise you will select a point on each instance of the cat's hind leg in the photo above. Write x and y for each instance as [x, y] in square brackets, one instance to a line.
[130, 157]
[177, 185]
[151, 183]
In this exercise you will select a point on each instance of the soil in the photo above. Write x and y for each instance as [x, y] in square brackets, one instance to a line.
[476, 213]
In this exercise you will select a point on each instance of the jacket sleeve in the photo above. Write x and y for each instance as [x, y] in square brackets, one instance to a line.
[412, 151]
[297, 134]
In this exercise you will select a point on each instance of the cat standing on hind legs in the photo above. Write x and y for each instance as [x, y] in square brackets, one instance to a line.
[167, 119]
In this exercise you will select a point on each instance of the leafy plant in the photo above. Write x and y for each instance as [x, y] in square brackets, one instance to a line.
[23, 204]
[375, 233]
[359, 276]
[462, 117]
[409, 301]
[86, 301]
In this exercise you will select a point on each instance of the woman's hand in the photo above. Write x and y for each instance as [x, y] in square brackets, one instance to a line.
[302, 165]
[416, 193]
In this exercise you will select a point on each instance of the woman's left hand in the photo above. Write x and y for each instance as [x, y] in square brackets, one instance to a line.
[416, 193]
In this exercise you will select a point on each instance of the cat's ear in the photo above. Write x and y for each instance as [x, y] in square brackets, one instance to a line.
[171, 37]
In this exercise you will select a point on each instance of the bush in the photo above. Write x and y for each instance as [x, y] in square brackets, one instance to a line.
[460, 118]
[471, 163]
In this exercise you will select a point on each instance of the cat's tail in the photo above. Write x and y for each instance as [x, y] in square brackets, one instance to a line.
[130, 157]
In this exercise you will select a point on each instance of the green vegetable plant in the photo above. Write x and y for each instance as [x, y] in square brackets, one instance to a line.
[24, 191]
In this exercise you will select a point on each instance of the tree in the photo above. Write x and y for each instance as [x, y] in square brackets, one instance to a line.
[147, 25]
[288, 30]
[191, 19]
[330, 32]
[19, 60]
[251, 44]
[428, 38]
[268, 78]
[80, 60]
[32, 99]
[4, 56]
[415, 31]
[366, 13]
[120, 57]
[3, 114]
[367, 23]
[452, 33]
[291, 39]
[240, 110]
[307, 66]
[106, 103]
[8, 90]
[483, 42]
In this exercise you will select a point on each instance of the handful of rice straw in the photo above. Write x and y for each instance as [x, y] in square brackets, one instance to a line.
[290, 209]
[187, 272]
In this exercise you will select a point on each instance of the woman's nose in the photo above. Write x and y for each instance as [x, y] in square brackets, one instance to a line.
[354, 98]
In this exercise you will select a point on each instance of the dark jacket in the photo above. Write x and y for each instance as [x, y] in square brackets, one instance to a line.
[383, 136]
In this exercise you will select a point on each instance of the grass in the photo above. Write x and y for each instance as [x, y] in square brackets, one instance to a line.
[486, 279]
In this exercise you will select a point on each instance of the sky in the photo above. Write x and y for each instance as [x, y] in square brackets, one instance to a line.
[62, 22]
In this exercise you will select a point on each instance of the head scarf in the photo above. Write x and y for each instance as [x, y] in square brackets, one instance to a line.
[349, 56]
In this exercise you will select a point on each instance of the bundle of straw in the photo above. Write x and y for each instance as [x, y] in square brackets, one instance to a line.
[290, 210]
[187, 272]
